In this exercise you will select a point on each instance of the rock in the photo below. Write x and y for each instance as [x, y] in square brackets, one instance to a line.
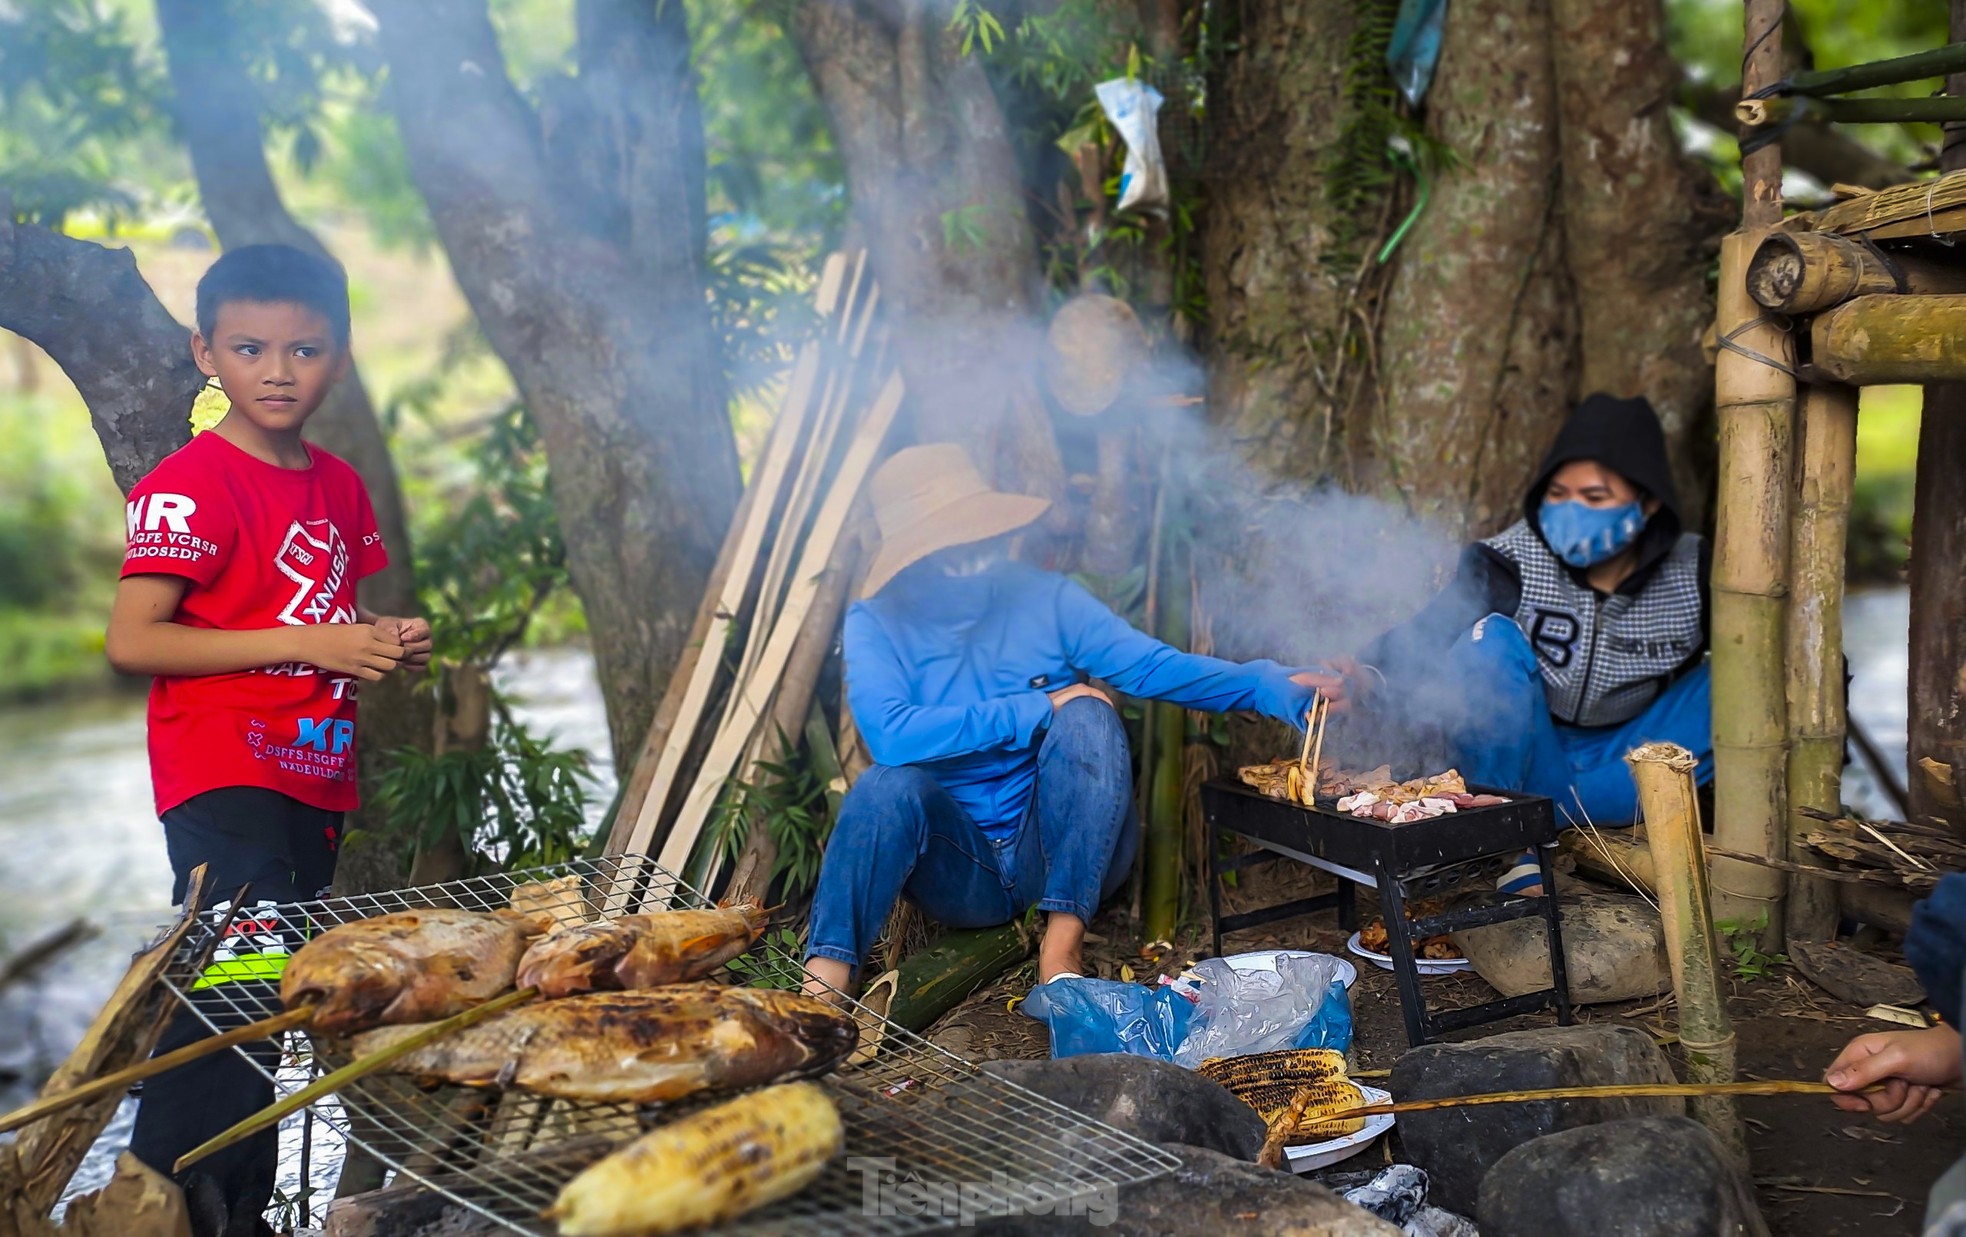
[1209, 1195]
[1650, 1177]
[1457, 1146]
[1613, 949]
[1850, 974]
[1150, 1099]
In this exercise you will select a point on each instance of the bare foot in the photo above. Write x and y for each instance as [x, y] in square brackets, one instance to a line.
[1060, 952]
[827, 979]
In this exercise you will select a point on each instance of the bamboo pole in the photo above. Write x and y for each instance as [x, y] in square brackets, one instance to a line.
[361, 1067]
[1755, 407]
[1761, 69]
[1670, 801]
[1886, 339]
[1763, 113]
[1162, 844]
[1804, 272]
[1938, 62]
[1607, 1091]
[1827, 452]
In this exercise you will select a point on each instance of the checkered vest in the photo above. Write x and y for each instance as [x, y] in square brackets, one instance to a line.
[1605, 658]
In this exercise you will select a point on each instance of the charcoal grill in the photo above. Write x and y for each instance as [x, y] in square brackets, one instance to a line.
[1421, 857]
[951, 1131]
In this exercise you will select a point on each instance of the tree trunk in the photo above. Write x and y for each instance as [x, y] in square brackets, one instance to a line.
[1639, 258]
[1476, 343]
[89, 308]
[936, 188]
[1938, 546]
[578, 244]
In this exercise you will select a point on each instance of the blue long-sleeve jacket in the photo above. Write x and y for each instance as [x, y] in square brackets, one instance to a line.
[1936, 944]
[952, 674]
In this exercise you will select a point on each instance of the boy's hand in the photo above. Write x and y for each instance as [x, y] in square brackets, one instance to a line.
[413, 634]
[1912, 1065]
[1333, 681]
[360, 649]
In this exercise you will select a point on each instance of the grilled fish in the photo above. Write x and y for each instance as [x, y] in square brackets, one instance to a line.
[640, 951]
[636, 1047]
[707, 1168]
[410, 966]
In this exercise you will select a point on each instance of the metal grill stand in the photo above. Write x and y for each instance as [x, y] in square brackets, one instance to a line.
[931, 1141]
[1426, 854]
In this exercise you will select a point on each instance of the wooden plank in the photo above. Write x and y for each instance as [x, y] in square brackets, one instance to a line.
[756, 692]
[842, 383]
[769, 480]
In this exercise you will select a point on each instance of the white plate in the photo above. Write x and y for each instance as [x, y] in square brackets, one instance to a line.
[1266, 960]
[1426, 966]
[1320, 1155]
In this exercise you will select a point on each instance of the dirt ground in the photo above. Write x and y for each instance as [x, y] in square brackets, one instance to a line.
[1819, 1172]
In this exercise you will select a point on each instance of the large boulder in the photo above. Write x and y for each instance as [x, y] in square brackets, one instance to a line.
[1613, 950]
[1209, 1195]
[1457, 1146]
[1651, 1177]
[1153, 1100]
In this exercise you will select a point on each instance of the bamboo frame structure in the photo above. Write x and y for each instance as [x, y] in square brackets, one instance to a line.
[1763, 113]
[1886, 339]
[1827, 453]
[1666, 793]
[1755, 405]
[1916, 67]
[1805, 272]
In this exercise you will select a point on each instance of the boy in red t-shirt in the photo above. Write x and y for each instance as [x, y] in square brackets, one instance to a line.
[238, 594]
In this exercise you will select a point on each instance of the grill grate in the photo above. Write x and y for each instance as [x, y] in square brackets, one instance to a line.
[962, 1143]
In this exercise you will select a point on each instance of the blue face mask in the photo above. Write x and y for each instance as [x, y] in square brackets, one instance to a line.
[1583, 536]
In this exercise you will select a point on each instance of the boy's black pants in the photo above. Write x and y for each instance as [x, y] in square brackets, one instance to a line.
[286, 850]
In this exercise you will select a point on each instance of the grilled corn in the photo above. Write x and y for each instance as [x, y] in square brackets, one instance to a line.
[1270, 1081]
[706, 1168]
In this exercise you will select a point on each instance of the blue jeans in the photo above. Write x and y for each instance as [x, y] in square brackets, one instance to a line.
[900, 832]
[1507, 738]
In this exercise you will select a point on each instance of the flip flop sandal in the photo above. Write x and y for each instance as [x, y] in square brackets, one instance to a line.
[1524, 878]
[872, 1017]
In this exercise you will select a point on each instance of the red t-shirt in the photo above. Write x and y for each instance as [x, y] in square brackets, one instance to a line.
[261, 545]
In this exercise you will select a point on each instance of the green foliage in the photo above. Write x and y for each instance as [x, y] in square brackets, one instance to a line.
[1743, 939]
[517, 799]
[778, 969]
[788, 799]
[496, 560]
[1358, 170]
[966, 229]
[977, 25]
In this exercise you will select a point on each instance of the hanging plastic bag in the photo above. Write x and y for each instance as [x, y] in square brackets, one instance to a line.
[1240, 1012]
[1105, 1015]
[1415, 46]
[1133, 107]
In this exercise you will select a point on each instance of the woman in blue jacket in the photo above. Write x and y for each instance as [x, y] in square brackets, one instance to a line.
[1001, 777]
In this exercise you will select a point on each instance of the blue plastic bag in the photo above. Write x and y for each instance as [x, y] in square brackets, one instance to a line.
[1331, 1026]
[1415, 46]
[1105, 1015]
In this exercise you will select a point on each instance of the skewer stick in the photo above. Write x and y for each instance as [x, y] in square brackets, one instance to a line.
[1317, 753]
[123, 1078]
[329, 1083]
[1637, 1090]
[1310, 728]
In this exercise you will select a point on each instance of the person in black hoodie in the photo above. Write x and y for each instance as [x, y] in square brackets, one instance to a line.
[1574, 635]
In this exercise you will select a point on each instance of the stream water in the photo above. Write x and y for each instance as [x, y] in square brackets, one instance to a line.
[78, 839]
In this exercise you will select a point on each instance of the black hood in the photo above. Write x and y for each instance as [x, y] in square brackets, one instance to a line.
[1623, 435]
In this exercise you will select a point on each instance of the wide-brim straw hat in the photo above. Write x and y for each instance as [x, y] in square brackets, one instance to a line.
[930, 498]
[1095, 346]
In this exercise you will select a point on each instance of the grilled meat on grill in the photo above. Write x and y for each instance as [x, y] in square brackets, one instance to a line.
[640, 951]
[706, 1168]
[410, 966]
[636, 1047]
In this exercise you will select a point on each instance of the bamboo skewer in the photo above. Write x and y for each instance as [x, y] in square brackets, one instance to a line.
[329, 1083]
[1317, 751]
[123, 1078]
[1614, 1091]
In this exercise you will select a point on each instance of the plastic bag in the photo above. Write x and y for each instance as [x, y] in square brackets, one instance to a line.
[1240, 1012]
[1105, 1015]
[1415, 46]
[1331, 1026]
[1133, 107]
